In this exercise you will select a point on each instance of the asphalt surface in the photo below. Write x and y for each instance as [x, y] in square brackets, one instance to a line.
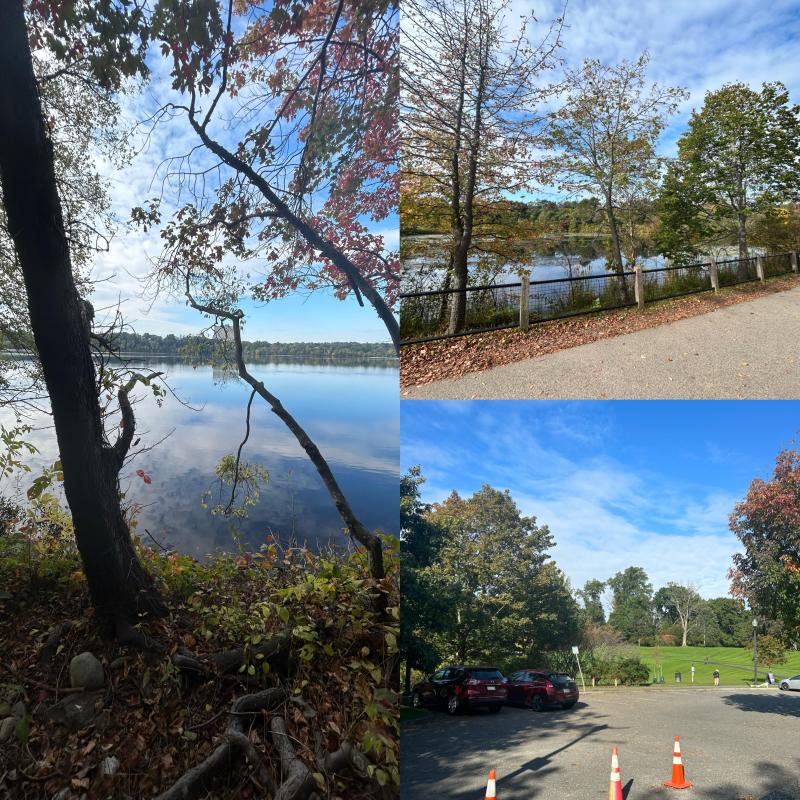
[748, 350]
[736, 744]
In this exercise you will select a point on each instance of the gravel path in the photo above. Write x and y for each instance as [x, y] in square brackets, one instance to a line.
[748, 350]
[737, 744]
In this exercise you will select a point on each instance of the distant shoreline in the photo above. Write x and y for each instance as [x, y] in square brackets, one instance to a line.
[340, 356]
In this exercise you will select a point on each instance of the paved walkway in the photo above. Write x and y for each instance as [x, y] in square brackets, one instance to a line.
[749, 350]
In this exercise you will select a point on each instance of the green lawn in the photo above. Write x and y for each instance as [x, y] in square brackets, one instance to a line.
[735, 664]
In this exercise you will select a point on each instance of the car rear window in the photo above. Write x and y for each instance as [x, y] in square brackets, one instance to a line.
[485, 674]
[555, 678]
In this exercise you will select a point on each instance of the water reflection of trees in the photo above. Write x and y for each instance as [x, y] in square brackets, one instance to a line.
[425, 265]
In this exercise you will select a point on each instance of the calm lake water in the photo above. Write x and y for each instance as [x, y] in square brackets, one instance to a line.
[349, 410]
[425, 258]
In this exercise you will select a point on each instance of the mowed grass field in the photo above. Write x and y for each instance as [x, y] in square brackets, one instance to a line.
[735, 664]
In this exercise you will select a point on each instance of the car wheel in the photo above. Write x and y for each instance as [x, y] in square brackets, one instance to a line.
[416, 700]
[567, 705]
[784, 686]
[536, 703]
[453, 705]
[494, 709]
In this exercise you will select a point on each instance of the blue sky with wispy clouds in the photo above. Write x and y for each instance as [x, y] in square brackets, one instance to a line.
[619, 483]
[699, 45]
[119, 272]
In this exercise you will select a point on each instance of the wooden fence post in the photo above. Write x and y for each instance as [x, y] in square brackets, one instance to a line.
[525, 280]
[638, 285]
[760, 268]
[712, 271]
[793, 255]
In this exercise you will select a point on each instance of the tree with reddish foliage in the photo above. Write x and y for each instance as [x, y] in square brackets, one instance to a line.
[767, 523]
[309, 91]
[302, 187]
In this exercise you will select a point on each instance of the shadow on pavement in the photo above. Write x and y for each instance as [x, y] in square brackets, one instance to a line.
[782, 783]
[450, 756]
[785, 705]
[538, 763]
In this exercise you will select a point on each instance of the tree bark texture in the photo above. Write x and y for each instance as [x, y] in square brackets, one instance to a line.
[119, 586]
[616, 249]
[744, 254]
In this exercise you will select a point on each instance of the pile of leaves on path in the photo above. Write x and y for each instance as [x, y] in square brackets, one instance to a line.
[151, 722]
[452, 358]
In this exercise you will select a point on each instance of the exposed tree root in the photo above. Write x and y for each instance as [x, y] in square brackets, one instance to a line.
[297, 779]
[346, 756]
[195, 780]
[128, 636]
[275, 652]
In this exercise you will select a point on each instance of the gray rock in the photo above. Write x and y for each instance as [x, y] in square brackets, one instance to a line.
[109, 765]
[86, 671]
[18, 709]
[76, 711]
[118, 663]
[7, 727]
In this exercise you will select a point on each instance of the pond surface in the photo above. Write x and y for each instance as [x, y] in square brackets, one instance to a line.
[349, 409]
[425, 259]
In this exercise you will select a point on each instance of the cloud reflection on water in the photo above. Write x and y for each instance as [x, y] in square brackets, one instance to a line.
[351, 412]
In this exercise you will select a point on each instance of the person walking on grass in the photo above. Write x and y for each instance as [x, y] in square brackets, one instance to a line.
[716, 677]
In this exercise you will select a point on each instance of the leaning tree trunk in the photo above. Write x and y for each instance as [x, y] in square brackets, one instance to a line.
[119, 586]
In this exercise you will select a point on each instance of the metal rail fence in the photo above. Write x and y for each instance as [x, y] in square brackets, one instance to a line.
[425, 315]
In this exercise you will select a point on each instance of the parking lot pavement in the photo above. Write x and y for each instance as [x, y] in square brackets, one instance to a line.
[737, 744]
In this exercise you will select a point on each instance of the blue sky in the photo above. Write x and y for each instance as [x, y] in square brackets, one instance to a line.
[320, 317]
[619, 483]
[697, 44]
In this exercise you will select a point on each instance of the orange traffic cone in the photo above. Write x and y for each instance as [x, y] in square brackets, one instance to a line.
[678, 779]
[615, 788]
[491, 791]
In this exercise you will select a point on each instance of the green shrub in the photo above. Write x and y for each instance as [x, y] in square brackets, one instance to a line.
[632, 672]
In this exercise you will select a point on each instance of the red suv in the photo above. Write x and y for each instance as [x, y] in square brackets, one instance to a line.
[461, 688]
[540, 688]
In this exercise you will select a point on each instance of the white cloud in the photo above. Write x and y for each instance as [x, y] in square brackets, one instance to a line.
[604, 516]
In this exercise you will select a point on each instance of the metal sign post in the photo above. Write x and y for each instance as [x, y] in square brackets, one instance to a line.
[580, 671]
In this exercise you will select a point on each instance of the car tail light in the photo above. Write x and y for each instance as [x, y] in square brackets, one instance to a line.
[472, 682]
[549, 685]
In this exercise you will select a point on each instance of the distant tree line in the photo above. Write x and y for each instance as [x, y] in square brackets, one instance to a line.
[203, 347]
[676, 615]
[479, 586]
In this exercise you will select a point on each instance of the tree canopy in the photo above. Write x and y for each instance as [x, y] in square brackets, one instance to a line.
[767, 523]
[739, 155]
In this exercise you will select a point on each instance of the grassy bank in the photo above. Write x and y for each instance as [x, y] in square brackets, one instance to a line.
[735, 664]
[153, 718]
